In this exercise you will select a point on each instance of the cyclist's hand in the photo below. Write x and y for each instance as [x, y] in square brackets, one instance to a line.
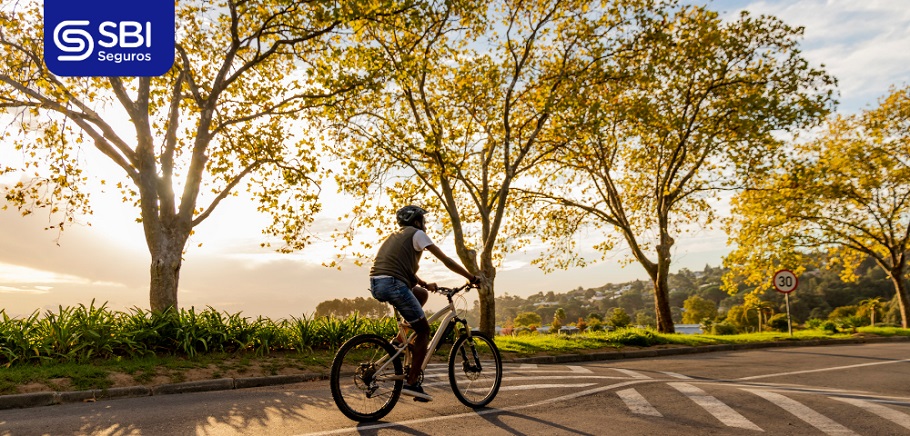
[475, 280]
[432, 287]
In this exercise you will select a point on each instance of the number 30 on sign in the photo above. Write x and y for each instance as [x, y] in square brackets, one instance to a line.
[785, 281]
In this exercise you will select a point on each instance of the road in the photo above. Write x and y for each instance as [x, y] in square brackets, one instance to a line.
[833, 390]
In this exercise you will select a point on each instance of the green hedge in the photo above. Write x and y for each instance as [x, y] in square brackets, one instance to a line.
[79, 334]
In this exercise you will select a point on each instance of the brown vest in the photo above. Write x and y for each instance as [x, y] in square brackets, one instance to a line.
[398, 258]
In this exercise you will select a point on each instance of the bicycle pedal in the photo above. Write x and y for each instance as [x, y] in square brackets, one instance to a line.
[421, 400]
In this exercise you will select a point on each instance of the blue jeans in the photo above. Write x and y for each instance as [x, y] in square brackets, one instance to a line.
[398, 294]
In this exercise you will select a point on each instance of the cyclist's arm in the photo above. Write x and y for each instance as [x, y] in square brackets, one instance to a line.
[449, 263]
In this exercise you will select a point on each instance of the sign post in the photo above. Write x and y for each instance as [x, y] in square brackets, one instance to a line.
[785, 282]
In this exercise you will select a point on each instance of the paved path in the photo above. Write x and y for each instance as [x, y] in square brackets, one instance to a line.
[835, 390]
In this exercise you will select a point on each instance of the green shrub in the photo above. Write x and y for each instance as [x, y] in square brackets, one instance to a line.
[842, 312]
[619, 318]
[723, 328]
[814, 323]
[778, 322]
[851, 322]
[829, 327]
[636, 337]
[83, 333]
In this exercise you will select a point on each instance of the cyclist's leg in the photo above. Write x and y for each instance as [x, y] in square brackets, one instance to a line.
[409, 304]
[419, 350]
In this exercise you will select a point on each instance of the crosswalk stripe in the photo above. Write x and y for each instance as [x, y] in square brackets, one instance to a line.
[675, 375]
[637, 403]
[631, 373]
[715, 407]
[528, 366]
[885, 412]
[804, 413]
[580, 370]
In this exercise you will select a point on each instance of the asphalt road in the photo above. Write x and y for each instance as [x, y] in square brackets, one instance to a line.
[832, 390]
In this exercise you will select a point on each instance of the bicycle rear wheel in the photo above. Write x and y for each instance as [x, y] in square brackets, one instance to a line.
[360, 389]
[475, 370]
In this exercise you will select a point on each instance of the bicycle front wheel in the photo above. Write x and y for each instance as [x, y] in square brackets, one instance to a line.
[475, 370]
[362, 388]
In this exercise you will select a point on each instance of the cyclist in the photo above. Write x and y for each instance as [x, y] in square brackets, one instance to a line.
[393, 279]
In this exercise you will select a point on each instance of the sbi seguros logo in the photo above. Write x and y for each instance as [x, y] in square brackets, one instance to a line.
[109, 38]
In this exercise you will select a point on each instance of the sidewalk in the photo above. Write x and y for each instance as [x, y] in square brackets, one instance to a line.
[53, 398]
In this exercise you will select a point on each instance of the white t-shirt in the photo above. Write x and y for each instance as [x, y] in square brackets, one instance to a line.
[421, 240]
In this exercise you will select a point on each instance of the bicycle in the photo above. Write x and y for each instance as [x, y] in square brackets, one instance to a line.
[368, 371]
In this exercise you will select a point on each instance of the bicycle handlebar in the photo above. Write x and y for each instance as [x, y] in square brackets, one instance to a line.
[449, 292]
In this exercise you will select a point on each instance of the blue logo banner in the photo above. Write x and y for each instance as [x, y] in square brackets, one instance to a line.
[109, 37]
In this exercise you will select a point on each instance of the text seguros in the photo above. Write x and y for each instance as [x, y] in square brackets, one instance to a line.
[117, 58]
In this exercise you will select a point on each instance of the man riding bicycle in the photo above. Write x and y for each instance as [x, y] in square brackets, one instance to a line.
[393, 279]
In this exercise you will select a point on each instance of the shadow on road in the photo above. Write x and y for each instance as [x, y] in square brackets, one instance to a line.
[540, 426]
[250, 411]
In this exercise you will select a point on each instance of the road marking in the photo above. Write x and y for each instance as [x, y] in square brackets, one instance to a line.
[545, 386]
[885, 412]
[835, 368]
[631, 373]
[675, 375]
[580, 370]
[637, 403]
[475, 413]
[715, 407]
[804, 413]
[528, 366]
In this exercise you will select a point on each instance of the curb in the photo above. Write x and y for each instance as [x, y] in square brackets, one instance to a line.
[38, 399]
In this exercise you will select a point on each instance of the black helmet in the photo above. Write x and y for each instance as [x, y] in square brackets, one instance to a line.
[408, 215]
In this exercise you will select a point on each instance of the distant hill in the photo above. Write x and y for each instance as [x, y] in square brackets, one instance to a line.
[819, 292]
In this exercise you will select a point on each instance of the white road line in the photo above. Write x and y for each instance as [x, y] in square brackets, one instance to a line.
[804, 413]
[528, 366]
[519, 379]
[475, 413]
[631, 373]
[836, 368]
[544, 386]
[715, 407]
[580, 370]
[892, 415]
[637, 403]
[675, 375]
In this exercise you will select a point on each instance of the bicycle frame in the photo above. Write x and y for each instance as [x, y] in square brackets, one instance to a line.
[447, 314]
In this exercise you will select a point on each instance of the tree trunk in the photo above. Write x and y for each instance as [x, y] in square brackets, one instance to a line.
[487, 297]
[903, 299]
[662, 286]
[167, 257]
[662, 299]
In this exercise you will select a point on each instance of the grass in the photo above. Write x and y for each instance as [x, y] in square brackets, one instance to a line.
[100, 374]
[533, 344]
[89, 347]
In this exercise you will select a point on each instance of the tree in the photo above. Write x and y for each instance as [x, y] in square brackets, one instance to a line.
[697, 113]
[741, 318]
[368, 307]
[698, 309]
[220, 120]
[872, 306]
[465, 112]
[846, 192]
[527, 319]
[559, 316]
[619, 318]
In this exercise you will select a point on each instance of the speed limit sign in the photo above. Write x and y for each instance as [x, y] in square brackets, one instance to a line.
[785, 281]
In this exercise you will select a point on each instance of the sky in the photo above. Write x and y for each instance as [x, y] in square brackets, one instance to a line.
[864, 44]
